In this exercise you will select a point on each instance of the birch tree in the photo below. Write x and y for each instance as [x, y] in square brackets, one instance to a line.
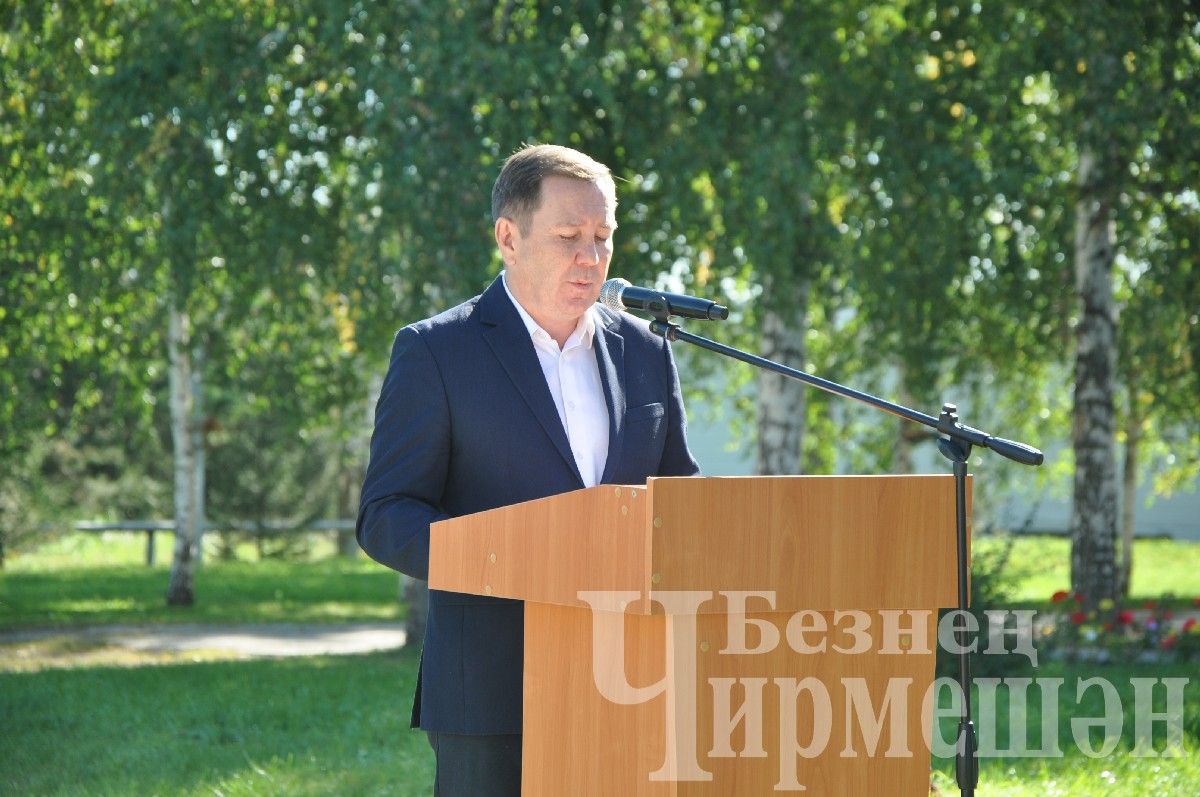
[1094, 515]
[203, 193]
[187, 419]
[1137, 78]
[1109, 87]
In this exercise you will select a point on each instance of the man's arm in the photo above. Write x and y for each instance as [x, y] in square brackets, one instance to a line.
[677, 460]
[410, 453]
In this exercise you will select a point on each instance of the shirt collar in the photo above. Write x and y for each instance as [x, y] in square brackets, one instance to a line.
[585, 330]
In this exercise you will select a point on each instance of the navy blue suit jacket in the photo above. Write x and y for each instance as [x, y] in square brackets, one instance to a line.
[465, 422]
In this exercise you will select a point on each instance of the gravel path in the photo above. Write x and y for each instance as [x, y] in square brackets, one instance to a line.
[234, 641]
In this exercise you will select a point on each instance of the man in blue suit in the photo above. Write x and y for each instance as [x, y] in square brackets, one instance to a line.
[528, 390]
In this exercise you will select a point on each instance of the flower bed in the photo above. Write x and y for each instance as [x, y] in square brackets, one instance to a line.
[1116, 631]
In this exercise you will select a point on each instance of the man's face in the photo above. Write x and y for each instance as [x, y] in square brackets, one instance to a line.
[555, 270]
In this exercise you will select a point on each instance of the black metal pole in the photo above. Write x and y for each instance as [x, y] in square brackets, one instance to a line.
[966, 762]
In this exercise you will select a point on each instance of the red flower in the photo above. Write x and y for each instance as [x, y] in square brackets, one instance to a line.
[1108, 626]
[1149, 605]
[1125, 617]
[1189, 624]
[1060, 596]
[1169, 640]
[1078, 618]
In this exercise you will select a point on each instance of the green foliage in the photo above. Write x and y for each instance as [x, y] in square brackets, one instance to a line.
[143, 178]
[259, 479]
[302, 179]
[84, 472]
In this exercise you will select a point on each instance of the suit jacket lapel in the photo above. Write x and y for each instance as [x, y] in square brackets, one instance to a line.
[610, 356]
[509, 340]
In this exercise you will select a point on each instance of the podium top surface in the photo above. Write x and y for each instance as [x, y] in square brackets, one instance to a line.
[810, 542]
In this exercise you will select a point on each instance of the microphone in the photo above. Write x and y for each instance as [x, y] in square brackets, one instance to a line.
[618, 294]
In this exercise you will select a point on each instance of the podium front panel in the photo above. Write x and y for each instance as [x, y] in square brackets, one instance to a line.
[579, 742]
[813, 542]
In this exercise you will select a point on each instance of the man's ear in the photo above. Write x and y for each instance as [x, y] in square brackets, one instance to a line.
[506, 238]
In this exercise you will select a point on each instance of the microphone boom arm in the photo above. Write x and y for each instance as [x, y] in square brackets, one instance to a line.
[947, 424]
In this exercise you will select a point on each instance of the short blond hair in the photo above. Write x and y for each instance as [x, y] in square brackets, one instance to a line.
[517, 193]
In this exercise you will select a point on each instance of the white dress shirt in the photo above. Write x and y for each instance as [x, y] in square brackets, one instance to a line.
[573, 376]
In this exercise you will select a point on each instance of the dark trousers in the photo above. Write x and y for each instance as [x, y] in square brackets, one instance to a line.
[476, 766]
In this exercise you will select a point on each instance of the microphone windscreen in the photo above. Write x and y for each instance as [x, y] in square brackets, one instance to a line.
[610, 293]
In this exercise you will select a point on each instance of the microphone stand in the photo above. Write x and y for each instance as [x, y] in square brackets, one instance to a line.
[954, 442]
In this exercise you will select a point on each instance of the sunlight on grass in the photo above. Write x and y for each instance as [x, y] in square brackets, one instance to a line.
[326, 725]
[249, 727]
[1063, 768]
[88, 550]
[1117, 775]
[41, 591]
[345, 610]
[91, 606]
[116, 548]
[69, 652]
[338, 725]
[1041, 565]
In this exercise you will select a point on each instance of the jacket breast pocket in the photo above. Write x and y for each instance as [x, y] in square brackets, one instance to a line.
[645, 435]
[647, 419]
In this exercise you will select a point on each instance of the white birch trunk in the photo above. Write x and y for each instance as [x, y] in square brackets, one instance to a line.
[350, 476]
[183, 385]
[198, 448]
[782, 401]
[1094, 511]
[347, 502]
[1133, 439]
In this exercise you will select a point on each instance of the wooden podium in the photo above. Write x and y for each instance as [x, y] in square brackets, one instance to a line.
[730, 694]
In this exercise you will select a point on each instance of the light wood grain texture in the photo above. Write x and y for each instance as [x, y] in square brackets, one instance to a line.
[871, 545]
[547, 550]
[819, 542]
[575, 741]
[578, 743]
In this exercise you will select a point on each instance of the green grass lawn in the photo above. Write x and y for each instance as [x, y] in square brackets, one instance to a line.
[305, 726]
[339, 725]
[93, 579]
[1074, 772]
[86, 579]
[1041, 565]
